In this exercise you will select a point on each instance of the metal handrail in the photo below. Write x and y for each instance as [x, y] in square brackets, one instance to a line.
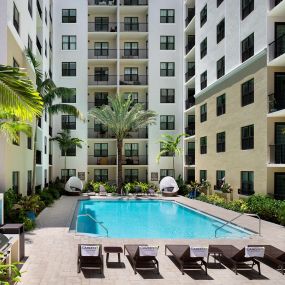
[242, 214]
[94, 220]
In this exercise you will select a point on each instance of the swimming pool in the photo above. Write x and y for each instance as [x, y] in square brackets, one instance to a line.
[148, 219]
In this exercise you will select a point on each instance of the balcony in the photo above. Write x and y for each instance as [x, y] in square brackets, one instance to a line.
[190, 43]
[277, 154]
[190, 158]
[134, 2]
[98, 103]
[133, 27]
[102, 79]
[277, 48]
[139, 134]
[275, 103]
[190, 130]
[38, 157]
[39, 45]
[106, 160]
[191, 71]
[102, 2]
[92, 134]
[135, 160]
[133, 79]
[102, 27]
[102, 53]
[50, 159]
[39, 8]
[191, 14]
[133, 53]
[190, 102]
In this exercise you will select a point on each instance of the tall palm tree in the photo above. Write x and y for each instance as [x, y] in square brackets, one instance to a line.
[170, 145]
[18, 95]
[49, 92]
[65, 142]
[121, 117]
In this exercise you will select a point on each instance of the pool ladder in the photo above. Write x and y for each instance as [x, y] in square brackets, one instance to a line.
[240, 215]
[94, 220]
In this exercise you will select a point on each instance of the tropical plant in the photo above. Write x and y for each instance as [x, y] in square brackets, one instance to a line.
[9, 272]
[226, 188]
[170, 145]
[121, 117]
[49, 92]
[66, 142]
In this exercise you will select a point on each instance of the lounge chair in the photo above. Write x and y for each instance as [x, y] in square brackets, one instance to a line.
[142, 260]
[274, 255]
[90, 257]
[182, 255]
[102, 191]
[234, 255]
[170, 191]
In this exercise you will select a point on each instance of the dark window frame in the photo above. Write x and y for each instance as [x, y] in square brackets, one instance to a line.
[69, 173]
[203, 16]
[167, 19]
[219, 2]
[103, 175]
[67, 70]
[221, 31]
[70, 98]
[247, 47]
[70, 151]
[203, 113]
[221, 142]
[68, 122]
[221, 104]
[247, 92]
[102, 151]
[167, 95]
[247, 137]
[132, 176]
[203, 145]
[168, 172]
[203, 48]
[221, 67]
[247, 186]
[203, 80]
[203, 175]
[247, 6]
[167, 44]
[67, 43]
[30, 7]
[220, 177]
[70, 19]
[133, 151]
[167, 71]
[16, 18]
[167, 125]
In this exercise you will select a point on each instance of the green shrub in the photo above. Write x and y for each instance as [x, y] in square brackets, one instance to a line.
[46, 197]
[281, 214]
[31, 203]
[54, 192]
[28, 224]
[11, 197]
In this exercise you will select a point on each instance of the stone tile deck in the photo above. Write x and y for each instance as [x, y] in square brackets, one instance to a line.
[52, 251]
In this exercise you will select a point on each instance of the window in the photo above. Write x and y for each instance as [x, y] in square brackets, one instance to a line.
[30, 43]
[203, 48]
[16, 19]
[247, 93]
[247, 183]
[221, 142]
[45, 145]
[134, 96]
[100, 128]
[131, 49]
[203, 175]
[167, 69]
[131, 74]
[69, 69]
[203, 16]
[15, 63]
[131, 149]
[46, 16]
[221, 105]
[167, 153]
[131, 24]
[101, 175]
[69, 98]
[100, 149]
[131, 175]
[101, 98]
[167, 95]
[69, 42]
[101, 49]
[220, 178]
[203, 145]
[219, 2]
[68, 15]
[247, 47]
[203, 80]
[29, 142]
[166, 172]
[30, 7]
[68, 122]
[15, 181]
[101, 24]
[220, 67]
[69, 152]
[67, 173]
[167, 122]
[167, 16]
[247, 137]
[29, 182]
[101, 73]
[167, 42]
[220, 31]
[203, 113]
[46, 48]
[247, 6]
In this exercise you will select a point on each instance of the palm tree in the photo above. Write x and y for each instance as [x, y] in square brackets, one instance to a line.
[18, 95]
[170, 145]
[49, 92]
[121, 117]
[65, 142]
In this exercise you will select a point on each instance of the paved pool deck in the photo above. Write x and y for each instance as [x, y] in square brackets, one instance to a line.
[51, 252]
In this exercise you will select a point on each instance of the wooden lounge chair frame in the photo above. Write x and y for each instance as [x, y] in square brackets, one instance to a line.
[140, 262]
[181, 253]
[235, 256]
[90, 262]
[275, 255]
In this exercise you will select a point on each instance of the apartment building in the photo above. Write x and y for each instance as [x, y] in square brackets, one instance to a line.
[26, 24]
[239, 81]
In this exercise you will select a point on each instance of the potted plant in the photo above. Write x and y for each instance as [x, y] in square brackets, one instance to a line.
[194, 189]
[205, 186]
[225, 191]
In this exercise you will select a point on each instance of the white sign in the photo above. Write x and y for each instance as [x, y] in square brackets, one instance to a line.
[89, 250]
[254, 251]
[148, 250]
[199, 251]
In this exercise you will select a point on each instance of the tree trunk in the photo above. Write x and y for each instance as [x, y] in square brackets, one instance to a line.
[119, 163]
[173, 166]
[35, 159]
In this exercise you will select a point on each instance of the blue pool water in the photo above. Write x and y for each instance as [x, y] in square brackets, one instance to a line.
[150, 219]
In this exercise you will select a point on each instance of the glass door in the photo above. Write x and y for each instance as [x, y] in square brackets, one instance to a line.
[279, 39]
[279, 143]
[279, 185]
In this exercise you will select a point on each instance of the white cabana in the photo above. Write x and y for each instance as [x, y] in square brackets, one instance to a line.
[168, 186]
[73, 185]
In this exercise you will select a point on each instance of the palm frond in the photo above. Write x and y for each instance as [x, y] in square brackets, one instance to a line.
[12, 129]
[65, 109]
[36, 65]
